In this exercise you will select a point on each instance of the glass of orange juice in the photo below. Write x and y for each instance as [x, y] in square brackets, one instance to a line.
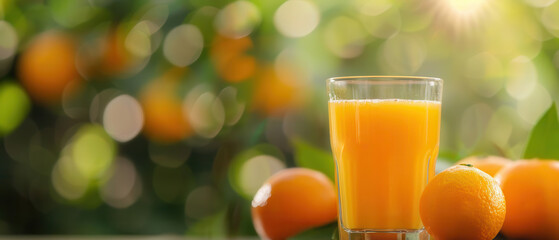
[384, 133]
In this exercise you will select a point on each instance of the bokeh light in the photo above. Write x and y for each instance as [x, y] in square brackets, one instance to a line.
[255, 171]
[465, 7]
[84, 162]
[296, 18]
[183, 45]
[123, 118]
[372, 8]
[500, 127]
[206, 115]
[138, 41]
[386, 23]
[98, 104]
[124, 186]
[67, 181]
[403, 54]
[522, 78]
[550, 18]
[237, 19]
[485, 74]
[71, 13]
[201, 202]
[252, 167]
[345, 37]
[233, 107]
[462, 15]
[8, 40]
[534, 105]
[14, 106]
[155, 17]
[540, 3]
[92, 151]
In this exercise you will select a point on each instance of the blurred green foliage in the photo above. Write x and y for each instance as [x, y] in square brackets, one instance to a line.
[14, 106]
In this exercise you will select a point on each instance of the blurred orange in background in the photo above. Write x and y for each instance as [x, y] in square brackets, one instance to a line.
[277, 91]
[114, 58]
[48, 65]
[231, 59]
[165, 120]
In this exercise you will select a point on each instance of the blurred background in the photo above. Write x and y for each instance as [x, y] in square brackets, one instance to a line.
[165, 117]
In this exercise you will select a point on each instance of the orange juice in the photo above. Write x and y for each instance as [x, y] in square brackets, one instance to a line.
[385, 152]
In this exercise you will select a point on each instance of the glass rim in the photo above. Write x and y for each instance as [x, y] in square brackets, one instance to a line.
[374, 78]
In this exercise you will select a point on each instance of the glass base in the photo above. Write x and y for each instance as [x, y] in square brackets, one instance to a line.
[392, 234]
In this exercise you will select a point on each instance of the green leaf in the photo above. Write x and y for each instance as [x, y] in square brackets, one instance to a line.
[544, 140]
[311, 157]
[322, 232]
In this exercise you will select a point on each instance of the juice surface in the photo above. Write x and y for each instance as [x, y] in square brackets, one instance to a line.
[385, 152]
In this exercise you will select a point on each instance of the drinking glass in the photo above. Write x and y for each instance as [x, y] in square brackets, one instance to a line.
[384, 133]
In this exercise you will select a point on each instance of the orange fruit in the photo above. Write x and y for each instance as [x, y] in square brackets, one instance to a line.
[114, 59]
[531, 188]
[48, 65]
[238, 68]
[462, 202]
[274, 94]
[490, 164]
[164, 117]
[291, 201]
